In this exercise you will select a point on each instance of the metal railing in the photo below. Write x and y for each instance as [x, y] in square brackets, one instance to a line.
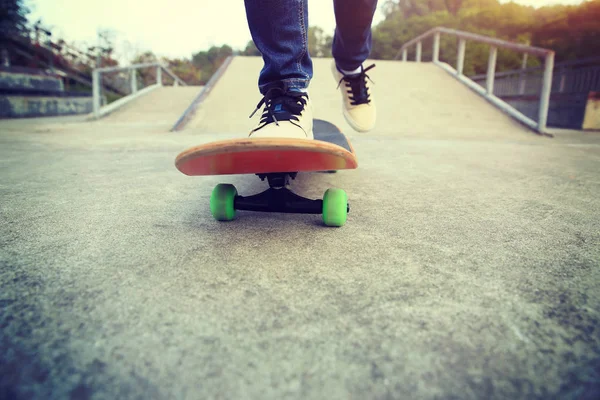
[572, 83]
[578, 76]
[99, 111]
[488, 90]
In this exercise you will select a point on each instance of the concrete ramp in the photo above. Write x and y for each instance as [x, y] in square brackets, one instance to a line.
[413, 99]
[160, 107]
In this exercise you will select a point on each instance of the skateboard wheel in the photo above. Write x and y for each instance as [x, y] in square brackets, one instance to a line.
[222, 202]
[335, 207]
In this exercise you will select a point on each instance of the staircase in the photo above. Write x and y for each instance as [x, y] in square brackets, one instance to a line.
[29, 92]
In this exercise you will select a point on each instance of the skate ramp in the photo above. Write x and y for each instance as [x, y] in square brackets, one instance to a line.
[413, 99]
[158, 108]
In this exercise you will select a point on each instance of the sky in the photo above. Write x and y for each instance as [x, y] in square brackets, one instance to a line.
[175, 28]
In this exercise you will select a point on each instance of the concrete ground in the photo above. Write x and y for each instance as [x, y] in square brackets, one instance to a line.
[469, 266]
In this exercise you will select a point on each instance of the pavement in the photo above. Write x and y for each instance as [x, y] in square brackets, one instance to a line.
[469, 266]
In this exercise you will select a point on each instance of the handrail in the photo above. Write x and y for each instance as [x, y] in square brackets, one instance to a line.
[538, 51]
[140, 66]
[97, 113]
[488, 92]
[560, 66]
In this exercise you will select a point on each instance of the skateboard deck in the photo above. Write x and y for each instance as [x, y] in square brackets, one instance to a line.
[278, 160]
[330, 150]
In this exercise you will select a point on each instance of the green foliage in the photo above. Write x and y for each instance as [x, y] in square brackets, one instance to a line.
[571, 31]
[146, 57]
[250, 50]
[319, 44]
[207, 62]
[186, 71]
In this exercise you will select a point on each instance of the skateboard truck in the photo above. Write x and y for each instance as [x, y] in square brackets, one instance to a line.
[278, 180]
[225, 201]
[278, 198]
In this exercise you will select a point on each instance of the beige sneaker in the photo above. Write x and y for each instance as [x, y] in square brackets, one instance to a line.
[285, 115]
[357, 98]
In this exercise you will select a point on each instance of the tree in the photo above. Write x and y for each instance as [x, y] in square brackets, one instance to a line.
[251, 49]
[184, 69]
[207, 62]
[453, 6]
[147, 76]
[319, 44]
[411, 8]
[572, 32]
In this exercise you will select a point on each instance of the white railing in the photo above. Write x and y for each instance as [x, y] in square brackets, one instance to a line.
[100, 111]
[488, 91]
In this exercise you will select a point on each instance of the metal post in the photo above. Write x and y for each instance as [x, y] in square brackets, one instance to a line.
[491, 72]
[563, 79]
[404, 55]
[133, 81]
[96, 92]
[524, 63]
[159, 75]
[546, 89]
[522, 75]
[418, 58]
[460, 59]
[436, 47]
[522, 82]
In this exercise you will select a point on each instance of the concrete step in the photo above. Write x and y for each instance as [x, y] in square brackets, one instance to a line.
[29, 79]
[48, 105]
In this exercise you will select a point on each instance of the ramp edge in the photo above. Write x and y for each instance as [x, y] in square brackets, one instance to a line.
[191, 110]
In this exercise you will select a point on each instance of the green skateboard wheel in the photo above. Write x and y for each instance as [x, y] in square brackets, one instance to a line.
[335, 207]
[222, 202]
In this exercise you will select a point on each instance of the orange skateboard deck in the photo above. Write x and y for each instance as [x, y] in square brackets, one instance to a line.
[330, 150]
[278, 161]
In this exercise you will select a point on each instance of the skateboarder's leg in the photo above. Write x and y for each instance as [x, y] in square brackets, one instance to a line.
[279, 29]
[351, 47]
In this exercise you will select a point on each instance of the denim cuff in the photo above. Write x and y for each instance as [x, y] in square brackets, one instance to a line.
[285, 85]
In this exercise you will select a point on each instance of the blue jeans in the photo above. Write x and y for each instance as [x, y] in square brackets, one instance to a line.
[279, 29]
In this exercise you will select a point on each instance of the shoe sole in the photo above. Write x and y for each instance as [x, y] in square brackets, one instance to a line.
[353, 124]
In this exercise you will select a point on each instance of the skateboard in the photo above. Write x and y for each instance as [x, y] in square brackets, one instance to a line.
[278, 160]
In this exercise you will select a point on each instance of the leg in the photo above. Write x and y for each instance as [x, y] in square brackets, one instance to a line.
[352, 38]
[351, 47]
[279, 29]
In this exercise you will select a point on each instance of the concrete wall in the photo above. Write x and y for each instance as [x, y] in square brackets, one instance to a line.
[25, 81]
[591, 120]
[13, 106]
[566, 110]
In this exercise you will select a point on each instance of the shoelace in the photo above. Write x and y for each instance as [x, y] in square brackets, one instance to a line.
[359, 93]
[288, 106]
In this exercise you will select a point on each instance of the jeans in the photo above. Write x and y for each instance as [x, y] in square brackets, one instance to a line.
[279, 29]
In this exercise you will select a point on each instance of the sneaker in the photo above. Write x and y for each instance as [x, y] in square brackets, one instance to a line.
[285, 115]
[357, 98]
